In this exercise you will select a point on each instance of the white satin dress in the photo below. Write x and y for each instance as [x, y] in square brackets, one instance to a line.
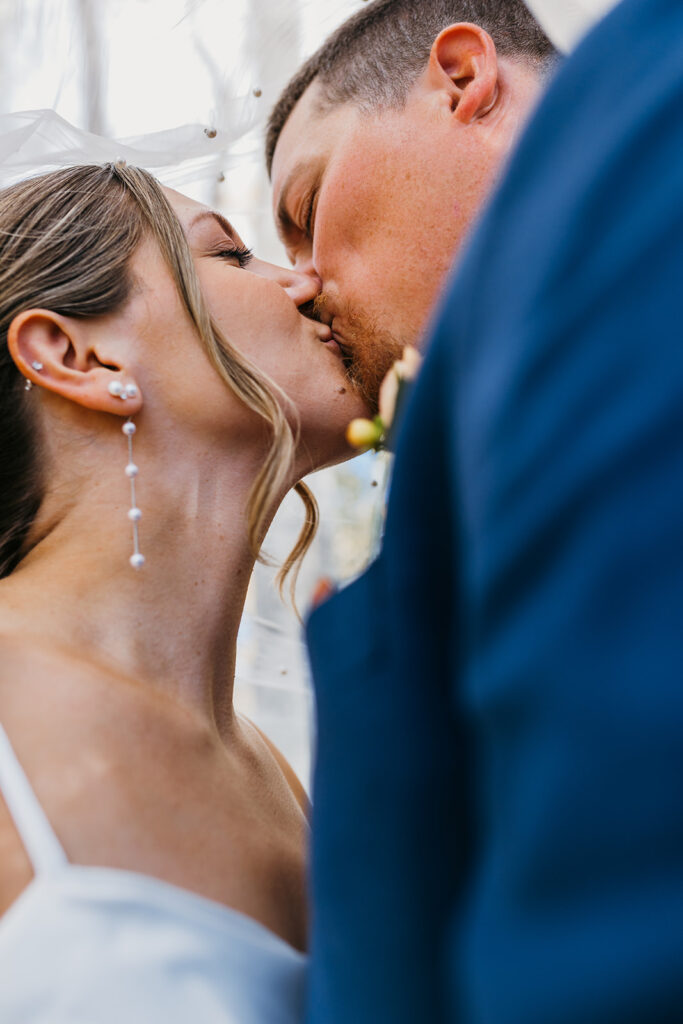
[90, 945]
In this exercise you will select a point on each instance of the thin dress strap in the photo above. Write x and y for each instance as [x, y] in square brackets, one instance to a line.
[42, 846]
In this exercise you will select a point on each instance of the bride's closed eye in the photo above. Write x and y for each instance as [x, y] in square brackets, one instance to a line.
[235, 253]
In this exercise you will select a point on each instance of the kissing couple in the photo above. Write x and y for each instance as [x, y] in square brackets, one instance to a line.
[496, 833]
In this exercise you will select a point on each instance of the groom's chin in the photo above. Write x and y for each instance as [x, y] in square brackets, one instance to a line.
[369, 355]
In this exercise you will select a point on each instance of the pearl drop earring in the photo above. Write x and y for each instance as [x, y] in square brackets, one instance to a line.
[137, 560]
[124, 392]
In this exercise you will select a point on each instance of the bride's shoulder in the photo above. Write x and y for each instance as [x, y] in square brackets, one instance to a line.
[47, 691]
[28, 663]
[24, 662]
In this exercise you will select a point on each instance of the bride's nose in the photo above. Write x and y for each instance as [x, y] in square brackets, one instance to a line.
[300, 287]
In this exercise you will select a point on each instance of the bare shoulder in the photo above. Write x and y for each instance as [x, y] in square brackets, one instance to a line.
[283, 764]
[36, 676]
[26, 669]
[29, 714]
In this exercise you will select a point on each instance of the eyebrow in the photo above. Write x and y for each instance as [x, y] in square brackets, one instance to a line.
[214, 215]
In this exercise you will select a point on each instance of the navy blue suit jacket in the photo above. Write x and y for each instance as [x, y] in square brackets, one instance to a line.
[498, 822]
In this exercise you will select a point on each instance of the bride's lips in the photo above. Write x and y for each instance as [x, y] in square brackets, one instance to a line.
[328, 339]
[343, 349]
[333, 345]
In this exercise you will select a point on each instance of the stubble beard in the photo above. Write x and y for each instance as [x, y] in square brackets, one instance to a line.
[369, 352]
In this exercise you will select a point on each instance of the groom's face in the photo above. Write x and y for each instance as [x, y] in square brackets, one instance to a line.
[375, 204]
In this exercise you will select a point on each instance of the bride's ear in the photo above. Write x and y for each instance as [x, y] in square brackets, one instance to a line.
[63, 355]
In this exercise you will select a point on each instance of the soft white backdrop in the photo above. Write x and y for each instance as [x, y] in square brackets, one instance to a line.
[125, 69]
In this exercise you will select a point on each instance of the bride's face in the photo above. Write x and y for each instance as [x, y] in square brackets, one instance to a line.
[254, 304]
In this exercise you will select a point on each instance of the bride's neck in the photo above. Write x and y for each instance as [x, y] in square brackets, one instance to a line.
[171, 625]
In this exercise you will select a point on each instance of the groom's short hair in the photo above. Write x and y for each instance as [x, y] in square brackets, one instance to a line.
[375, 56]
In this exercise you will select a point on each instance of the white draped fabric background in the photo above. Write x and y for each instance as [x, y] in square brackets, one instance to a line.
[183, 87]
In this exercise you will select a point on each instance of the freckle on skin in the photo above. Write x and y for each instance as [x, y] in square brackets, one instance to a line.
[342, 391]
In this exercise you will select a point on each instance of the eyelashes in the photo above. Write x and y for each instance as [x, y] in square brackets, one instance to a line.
[241, 253]
[307, 216]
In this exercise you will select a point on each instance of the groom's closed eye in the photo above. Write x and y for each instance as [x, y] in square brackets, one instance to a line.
[298, 239]
[296, 207]
[300, 221]
[307, 214]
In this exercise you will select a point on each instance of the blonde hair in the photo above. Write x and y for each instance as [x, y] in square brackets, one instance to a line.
[66, 241]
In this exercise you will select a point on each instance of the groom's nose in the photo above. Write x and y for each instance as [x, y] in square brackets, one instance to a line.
[301, 288]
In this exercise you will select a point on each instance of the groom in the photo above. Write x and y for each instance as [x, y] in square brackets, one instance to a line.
[382, 150]
[497, 831]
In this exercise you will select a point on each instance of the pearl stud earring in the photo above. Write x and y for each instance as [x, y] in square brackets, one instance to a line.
[123, 391]
[137, 560]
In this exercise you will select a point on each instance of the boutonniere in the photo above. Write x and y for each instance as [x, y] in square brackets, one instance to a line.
[377, 434]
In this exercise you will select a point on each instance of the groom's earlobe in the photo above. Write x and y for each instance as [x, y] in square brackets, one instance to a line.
[464, 63]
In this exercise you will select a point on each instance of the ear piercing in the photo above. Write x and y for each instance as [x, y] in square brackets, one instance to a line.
[28, 384]
[137, 560]
[118, 390]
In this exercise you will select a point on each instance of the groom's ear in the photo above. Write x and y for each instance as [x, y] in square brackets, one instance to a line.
[463, 65]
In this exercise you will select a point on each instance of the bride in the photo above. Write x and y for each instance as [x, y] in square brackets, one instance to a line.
[159, 394]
